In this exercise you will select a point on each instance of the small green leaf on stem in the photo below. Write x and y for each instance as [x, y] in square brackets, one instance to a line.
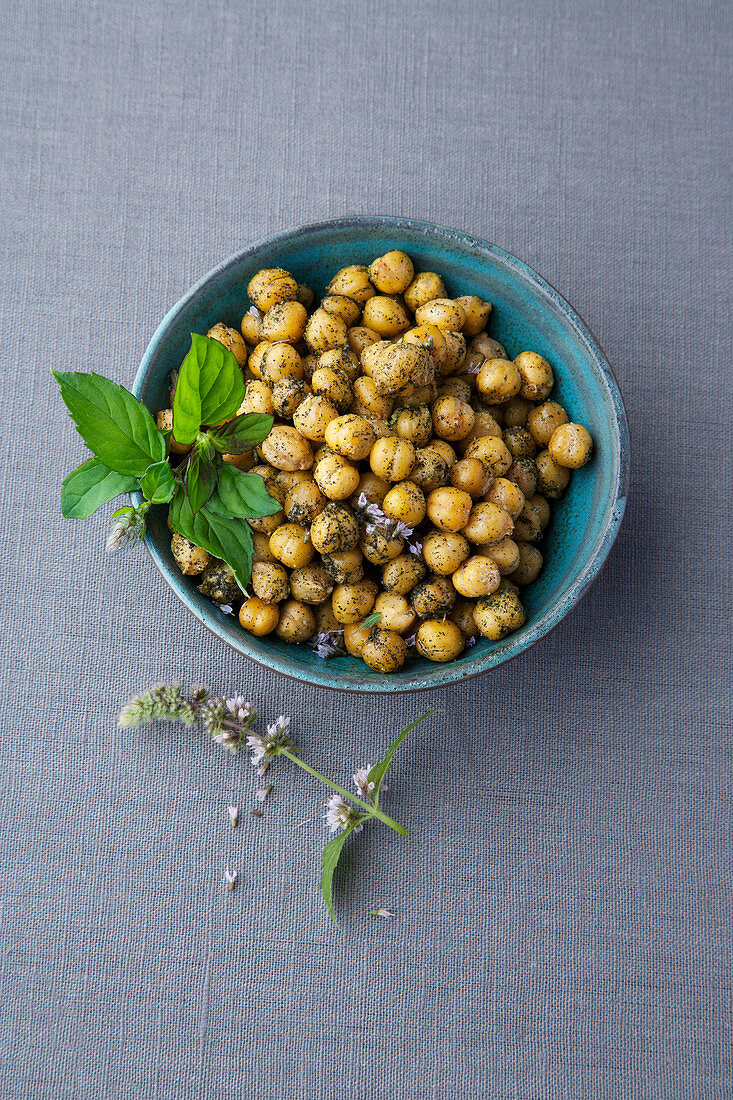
[242, 433]
[331, 855]
[90, 486]
[241, 494]
[158, 483]
[380, 769]
[201, 472]
[371, 620]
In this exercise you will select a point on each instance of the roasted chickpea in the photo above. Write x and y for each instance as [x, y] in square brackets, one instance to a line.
[313, 415]
[280, 361]
[385, 316]
[523, 472]
[529, 565]
[270, 286]
[498, 615]
[484, 425]
[570, 446]
[326, 621]
[243, 462]
[350, 436]
[359, 337]
[335, 529]
[537, 376]
[455, 353]
[367, 402]
[341, 359]
[431, 470]
[384, 650]
[257, 399]
[284, 321]
[444, 551]
[287, 394]
[516, 412]
[344, 566]
[305, 295]
[297, 622]
[382, 429]
[310, 365]
[452, 418]
[310, 584]
[443, 447]
[449, 508]
[505, 554]
[355, 637]
[477, 314]
[324, 331]
[405, 502]
[488, 523]
[425, 287]
[335, 477]
[433, 597]
[341, 306]
[492, 452]
[266, 524]
[231, 340]
[288, 479]
[261, 547]
[251, 326]
[432, 340]
[439, 640]
[447, 315]
[392, 273]
[477, 576]
[507, 495]
[259, 617]
[395, 611]
[519, 443]
[352, 282]
[352, 602]
[401, 575]
[486, 346]
[189, 558]
[372, 487]
[270, 582]
[471, 476]
[456, 387]
[255, 358]
[164, 421]
[286, 449]
[499, 380]
[542, 509]
[552, 479]
[398, 367]
[527, 525]
[270, 477]
[378, 549]
[335, 386]
[414, 423]
[304, 502]
[544, 419]
[462, 615]
[392, 458]
[290, 543]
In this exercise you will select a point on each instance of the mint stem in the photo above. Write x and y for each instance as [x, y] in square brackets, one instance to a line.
[373, 810]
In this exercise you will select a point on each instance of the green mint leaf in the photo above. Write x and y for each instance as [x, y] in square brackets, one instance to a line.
[187, 399]
[114, 425]
[241, 494]
[331, 855]
[378, 772]
[228, 539]
[90, 486]
[201, 473]
[158, 483]
[242, 433]
[371, 620]
[209, 389]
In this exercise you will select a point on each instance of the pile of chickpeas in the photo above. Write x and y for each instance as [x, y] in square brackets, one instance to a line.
[390, 393]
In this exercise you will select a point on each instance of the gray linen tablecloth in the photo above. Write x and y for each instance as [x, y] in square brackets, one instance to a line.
[563, 899]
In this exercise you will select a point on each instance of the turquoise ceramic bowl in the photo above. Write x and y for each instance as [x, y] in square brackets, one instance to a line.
[528, 314]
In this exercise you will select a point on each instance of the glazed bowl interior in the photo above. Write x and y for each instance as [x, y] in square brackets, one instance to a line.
[528, 315]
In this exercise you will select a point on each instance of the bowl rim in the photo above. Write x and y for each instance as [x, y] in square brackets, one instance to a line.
[451, 672]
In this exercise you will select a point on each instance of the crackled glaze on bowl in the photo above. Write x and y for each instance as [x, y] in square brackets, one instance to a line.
[528, 314]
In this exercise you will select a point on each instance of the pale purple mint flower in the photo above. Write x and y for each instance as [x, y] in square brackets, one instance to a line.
[226, 608]
[470, 642]
[128, 529]
[254, 312]
[411, 641]
[233, 816]
[361, 781]
[476, 367]
[328, 644]
[415, 548]
[386, 913]
[240, 709]
[262, 795]
[339, 815]
[230, 879]
[265, 747]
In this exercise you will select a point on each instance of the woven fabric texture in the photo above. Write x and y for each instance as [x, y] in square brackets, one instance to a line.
[563, 898]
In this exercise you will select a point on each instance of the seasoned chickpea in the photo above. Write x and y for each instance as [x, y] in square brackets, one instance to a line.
[477, 314]
[270, 582]
[471, 476]
[270, 286]
[401, 575]
[324, 331]
[326, 621]
[452, 418]
[372, 487]
[257, 399]
[310, 364]
[433, 597]
[352, 602]
[516, 412]
[341, 359]
[261, 548]
[395, 611]
[455, 353]
[498, 615]
[284, 321]
[570, 446]
[353, 282]
[507, 495]
[288, 479]
[544, 419]
[425, 287]
[490, 349]
[449, 508]
[367, 402]
[266, 524]
[499, 380]
[310, 584]
[291, 545]
[313, 415]
[305, 295]
[287, 394]
[488, 523]
[537, 376]
[344, 566]
[414, 423]
[443, 312]
[304, 502]
[382, 429]
[385, 316]
[335, 386]
[505, 554]
[492, 452]
[476, 577]
[432, 340]
[297, 622]
[523, 472]
[359, 337]
[431, 470]
[355, 637]
[164, 421]
[335, 477]
[255, 358]
[280, 361]
[270, 478]
[444, 551]
[439, 640]
[189, 558]
[350, 436]
[484, 425]
[231, 340]
[335, 529]
[259, 617]
[520, 443]
[286, 449]
[443, 447]
[392, 458]
[405, 502]
[251, 326]
[552, 479]
[456, 387]
[378, 549]
[243, 462]
[542, 509]
[392, 273]
[384, 650]
[398, 367]
[341, 306]
[527, 525]
[462, 615]
[529, 565]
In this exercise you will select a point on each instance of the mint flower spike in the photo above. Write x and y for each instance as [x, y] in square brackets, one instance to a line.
[162, 703]
[128, 528]
[339, 816]
[228, 720]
